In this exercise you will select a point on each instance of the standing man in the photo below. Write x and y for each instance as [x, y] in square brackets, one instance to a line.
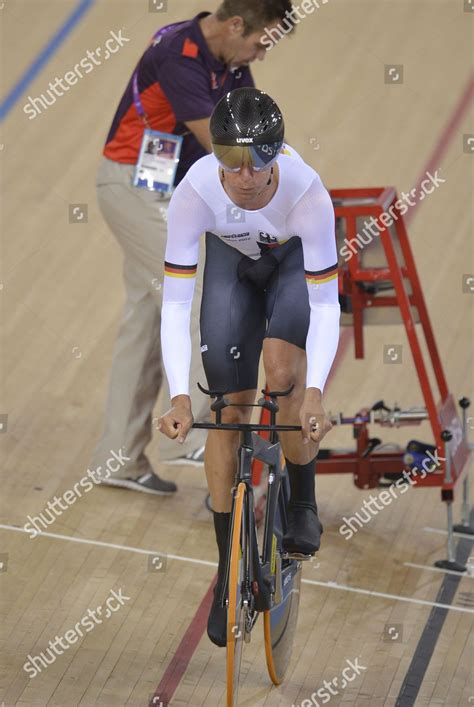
[188, 67]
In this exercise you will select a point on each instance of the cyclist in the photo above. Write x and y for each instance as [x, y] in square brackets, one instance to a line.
[270, 285]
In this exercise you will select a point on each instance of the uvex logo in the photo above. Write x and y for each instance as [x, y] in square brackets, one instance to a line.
[245, 139]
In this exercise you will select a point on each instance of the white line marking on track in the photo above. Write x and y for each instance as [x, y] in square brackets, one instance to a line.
[438, 569]
[328, 585]
[381, 595]
[112, 546]
[440, 531]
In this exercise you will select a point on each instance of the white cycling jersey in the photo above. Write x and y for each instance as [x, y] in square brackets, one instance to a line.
[300, 207]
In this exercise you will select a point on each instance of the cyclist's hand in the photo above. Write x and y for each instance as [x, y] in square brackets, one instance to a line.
[177, 422]
[314, 421]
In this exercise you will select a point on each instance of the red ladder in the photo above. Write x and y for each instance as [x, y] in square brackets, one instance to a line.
[358, 287]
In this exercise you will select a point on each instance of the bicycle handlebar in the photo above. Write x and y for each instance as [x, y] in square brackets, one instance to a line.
[244, 427]
[221, 393]
[378, 414]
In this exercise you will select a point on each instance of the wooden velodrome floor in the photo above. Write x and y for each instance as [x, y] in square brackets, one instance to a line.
[61, 297]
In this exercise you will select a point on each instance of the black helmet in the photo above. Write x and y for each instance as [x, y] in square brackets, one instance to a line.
[247, 127]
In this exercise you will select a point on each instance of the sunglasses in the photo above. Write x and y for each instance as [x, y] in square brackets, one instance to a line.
[259, 157]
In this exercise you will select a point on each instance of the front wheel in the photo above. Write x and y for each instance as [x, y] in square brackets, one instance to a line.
[237, 607]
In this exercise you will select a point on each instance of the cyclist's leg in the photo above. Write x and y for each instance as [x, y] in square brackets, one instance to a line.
[220, 460]
[232, 329]
[284, 355]
[284, 360]
[220, 463]
[285, 365]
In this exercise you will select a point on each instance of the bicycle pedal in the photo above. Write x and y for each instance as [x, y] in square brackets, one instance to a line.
[296, 556]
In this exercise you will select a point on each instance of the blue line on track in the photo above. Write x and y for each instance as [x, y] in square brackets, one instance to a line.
[43, 57]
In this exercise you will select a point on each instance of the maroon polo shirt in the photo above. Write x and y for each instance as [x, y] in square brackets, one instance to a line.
[178, 80]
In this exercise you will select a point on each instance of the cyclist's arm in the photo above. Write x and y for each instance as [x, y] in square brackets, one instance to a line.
[188, 218]
[312, 219]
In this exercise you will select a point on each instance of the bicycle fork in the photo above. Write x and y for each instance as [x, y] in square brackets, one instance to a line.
[262, 580]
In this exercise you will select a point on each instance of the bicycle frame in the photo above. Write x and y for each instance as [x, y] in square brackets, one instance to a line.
[261, 572]
[263, 575]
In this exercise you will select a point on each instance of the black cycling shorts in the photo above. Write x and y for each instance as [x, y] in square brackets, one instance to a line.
[245, 301]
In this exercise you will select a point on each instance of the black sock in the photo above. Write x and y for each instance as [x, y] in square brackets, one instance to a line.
[221, 526]
[217, 620]
[302, 483]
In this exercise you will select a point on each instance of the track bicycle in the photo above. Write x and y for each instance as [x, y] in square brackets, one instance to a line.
[259, 578]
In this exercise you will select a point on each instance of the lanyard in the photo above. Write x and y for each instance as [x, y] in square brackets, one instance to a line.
[137, 101]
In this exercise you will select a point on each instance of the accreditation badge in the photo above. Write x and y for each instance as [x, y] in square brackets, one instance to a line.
[158, 161]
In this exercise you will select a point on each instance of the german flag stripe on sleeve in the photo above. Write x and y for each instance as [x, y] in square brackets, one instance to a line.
[318, 277]
[173, 270]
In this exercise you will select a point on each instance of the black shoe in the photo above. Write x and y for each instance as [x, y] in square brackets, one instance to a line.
[146, 483]
[304, 529]
[217, 621]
